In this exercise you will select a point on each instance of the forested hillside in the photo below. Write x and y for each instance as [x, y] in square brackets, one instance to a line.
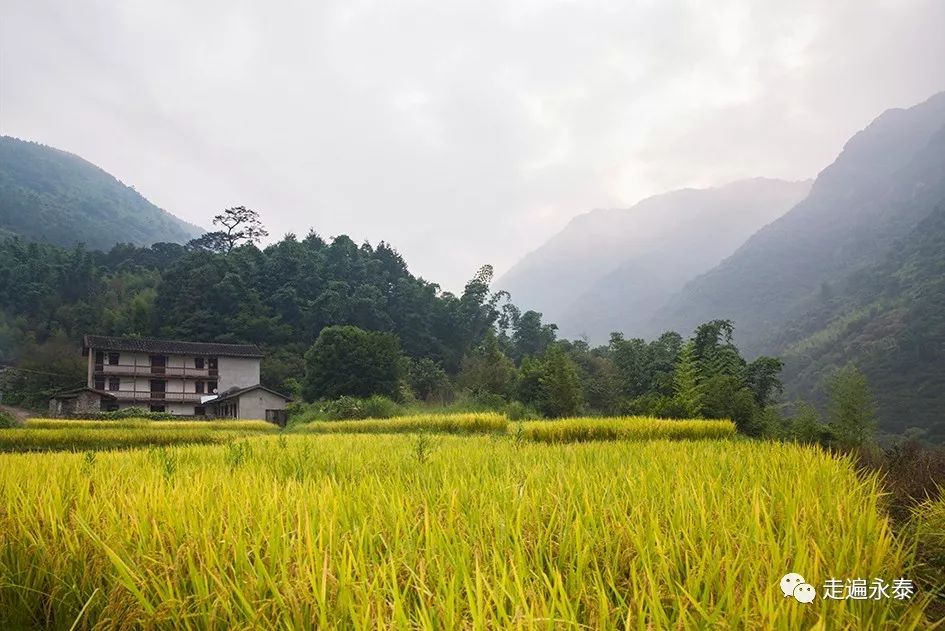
[889, 320]
[56, 197]
[307, 302]
[609, 270]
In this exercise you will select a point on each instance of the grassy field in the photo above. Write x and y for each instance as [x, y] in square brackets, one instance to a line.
[439, 531]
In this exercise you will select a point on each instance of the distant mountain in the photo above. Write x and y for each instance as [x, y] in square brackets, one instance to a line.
[53, 196]
[854, 273]
[610, 270]
[887, 179]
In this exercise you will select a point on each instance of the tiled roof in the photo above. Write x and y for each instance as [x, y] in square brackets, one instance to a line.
[169, 347]
[232, 393]
[69, 394]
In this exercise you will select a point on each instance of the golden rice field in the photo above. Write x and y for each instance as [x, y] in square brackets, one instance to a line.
[465, 423]
[441, 531]
[69, 435]
[575, 430]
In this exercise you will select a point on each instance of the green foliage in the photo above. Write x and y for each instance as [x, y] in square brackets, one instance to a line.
[7, 420]
[726, 396]
[560, 387]
[518, 411]
[687, 390]
[487, 371]
[807, 428]
[132, 412]
[344, 408]
[427, 379]
[851, 411]
[346, 360]
[762, 376]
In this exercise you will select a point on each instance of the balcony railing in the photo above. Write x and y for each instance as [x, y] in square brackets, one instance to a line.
[149, 396]
[139, 370]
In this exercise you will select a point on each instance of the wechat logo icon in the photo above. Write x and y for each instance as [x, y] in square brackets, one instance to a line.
[794, 585]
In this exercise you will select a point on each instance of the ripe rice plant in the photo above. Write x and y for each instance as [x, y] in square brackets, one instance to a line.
[82, 438]
[465, 423]
[629, 428]
[140, 423]
[355, 531]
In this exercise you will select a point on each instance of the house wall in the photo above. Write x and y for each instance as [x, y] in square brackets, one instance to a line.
[84, 403]
[238, 372]
[253, 404]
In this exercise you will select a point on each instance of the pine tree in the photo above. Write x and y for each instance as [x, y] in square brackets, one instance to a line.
[687, 389]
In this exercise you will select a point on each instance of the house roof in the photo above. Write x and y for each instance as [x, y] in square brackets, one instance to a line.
[169, 347]
[71, 394]
[234, 393]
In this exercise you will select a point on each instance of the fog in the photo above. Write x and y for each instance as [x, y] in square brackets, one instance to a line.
[462, 133]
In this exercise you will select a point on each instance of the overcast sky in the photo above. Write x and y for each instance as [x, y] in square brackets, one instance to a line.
[461, 132]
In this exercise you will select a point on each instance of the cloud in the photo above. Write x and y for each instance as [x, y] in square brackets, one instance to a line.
[463, 133]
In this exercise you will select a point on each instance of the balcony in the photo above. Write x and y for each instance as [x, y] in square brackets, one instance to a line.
[147, 396]
[158, 372]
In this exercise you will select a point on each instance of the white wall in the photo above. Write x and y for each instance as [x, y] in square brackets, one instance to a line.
[253, 404]
[238, 372]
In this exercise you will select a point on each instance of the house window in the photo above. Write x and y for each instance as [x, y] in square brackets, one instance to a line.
[114, 384]
[99, 357]
[113, 359]
[100, 383]
[158, 385]
[212, 363]
[212, 387]
[198, 363]
[199, 387]
[158, 408]
[200, 411]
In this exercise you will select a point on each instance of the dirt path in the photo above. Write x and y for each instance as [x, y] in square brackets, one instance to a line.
[18, 413]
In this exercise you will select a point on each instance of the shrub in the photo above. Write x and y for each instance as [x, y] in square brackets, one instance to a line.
[7, 420]
[352, 408]
[518, 411]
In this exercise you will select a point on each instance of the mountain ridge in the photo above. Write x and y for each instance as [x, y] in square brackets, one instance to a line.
[54, 196]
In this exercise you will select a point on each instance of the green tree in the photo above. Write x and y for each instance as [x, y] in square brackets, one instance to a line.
[560, 385]
[727, 397]
[687, 391]
[851, 410]
[427, 379]
[488, 372]
[530, 337]
[762, 376]
[806, 426]
[346, 360]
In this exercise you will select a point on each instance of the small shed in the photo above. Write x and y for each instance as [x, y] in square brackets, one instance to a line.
[81, 401]
[254, 402]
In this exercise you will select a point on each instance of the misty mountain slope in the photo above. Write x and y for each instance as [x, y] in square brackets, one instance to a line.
[57, 197]
[887, 178]
[672, 236]
[722, 218]
[889, 319]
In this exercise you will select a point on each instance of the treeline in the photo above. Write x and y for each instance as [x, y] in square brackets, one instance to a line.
[340, 319]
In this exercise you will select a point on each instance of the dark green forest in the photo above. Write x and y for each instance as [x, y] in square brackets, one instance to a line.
[340, 319]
